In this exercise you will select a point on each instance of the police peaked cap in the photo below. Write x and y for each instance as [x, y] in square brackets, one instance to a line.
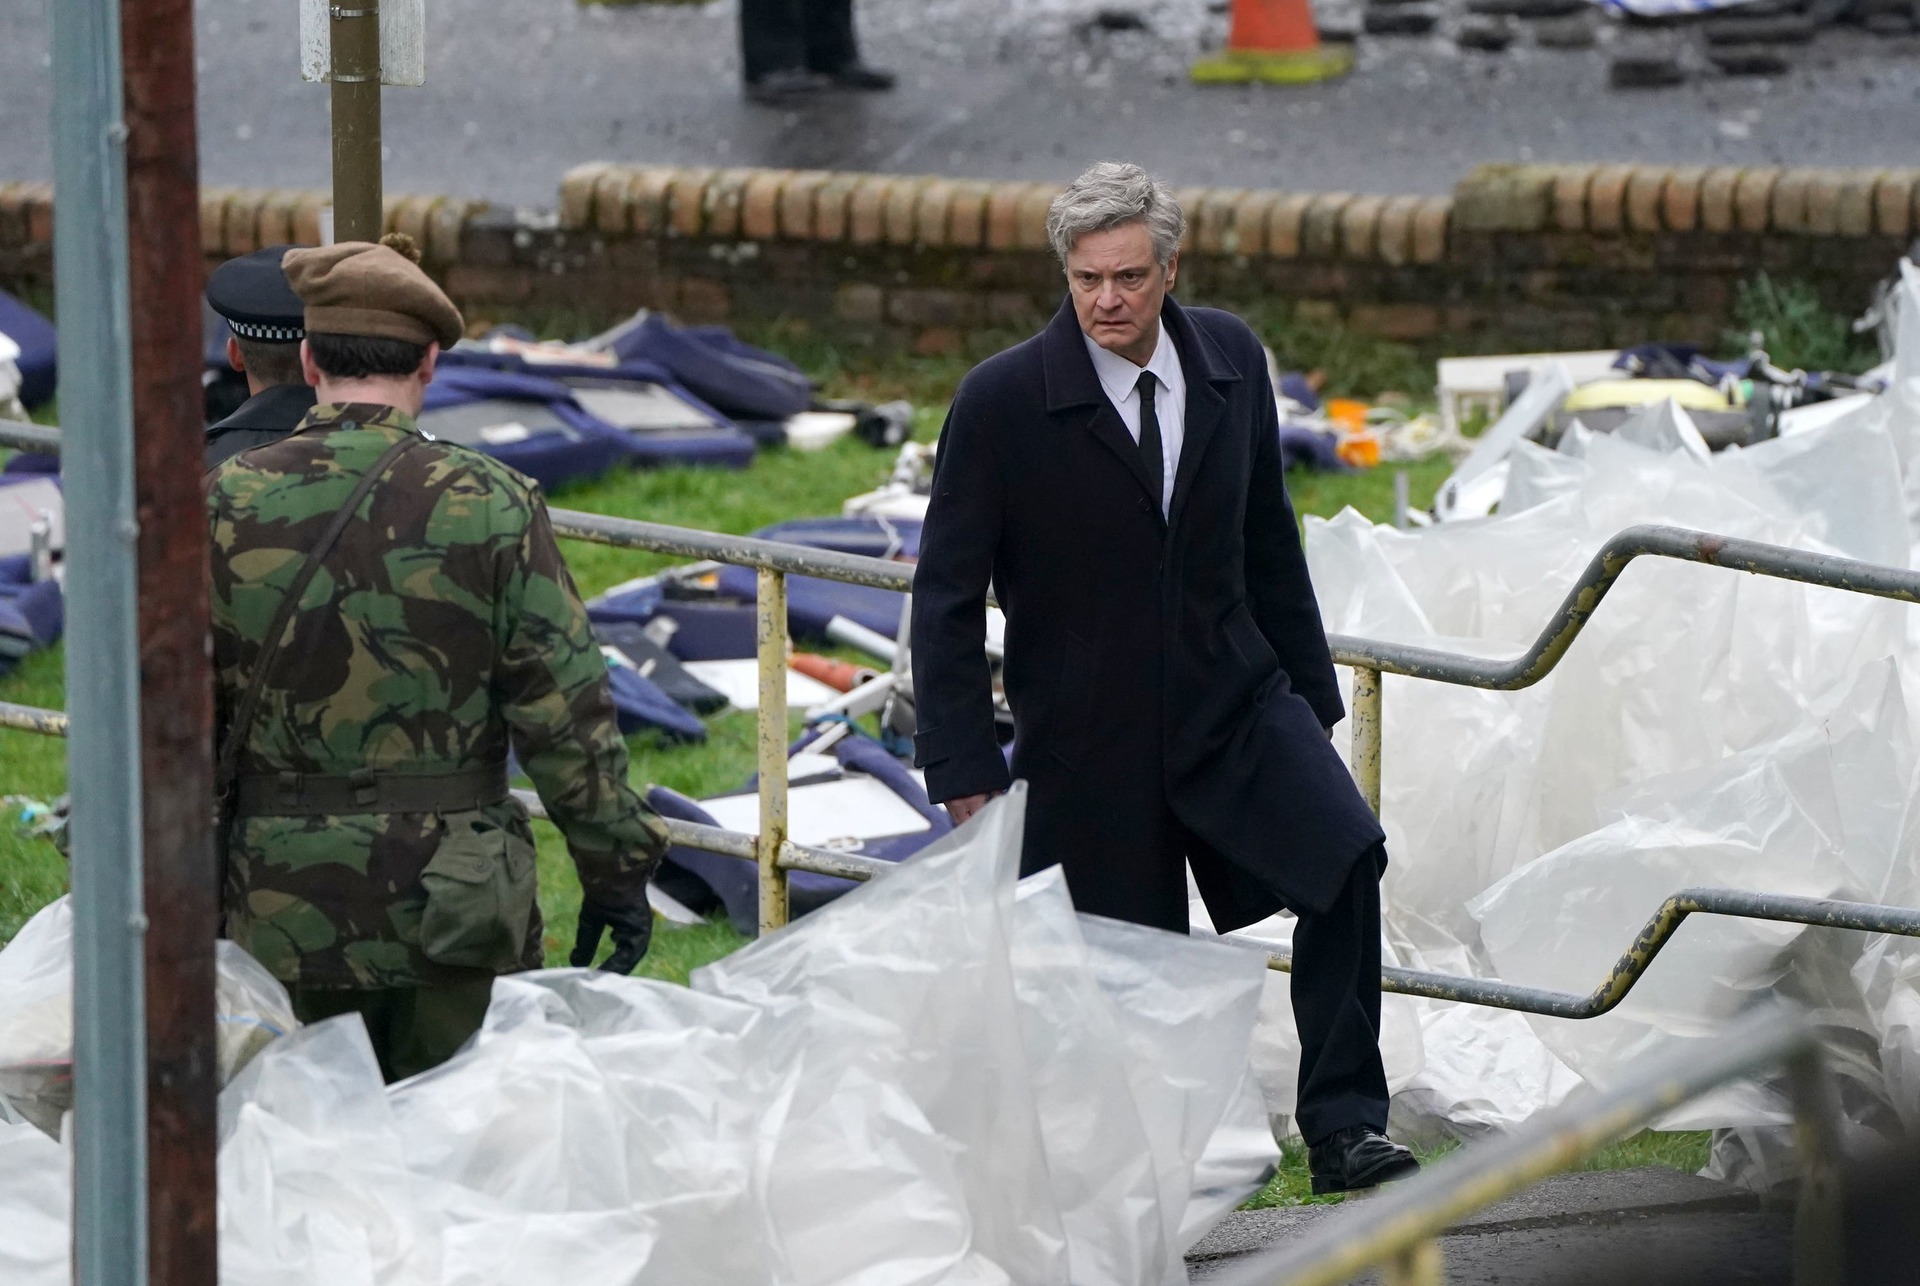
[359, 288]
[252, 293]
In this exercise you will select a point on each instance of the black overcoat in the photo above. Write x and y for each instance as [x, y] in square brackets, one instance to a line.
[1151, 665]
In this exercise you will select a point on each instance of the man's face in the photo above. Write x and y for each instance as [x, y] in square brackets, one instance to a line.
[1117, 289]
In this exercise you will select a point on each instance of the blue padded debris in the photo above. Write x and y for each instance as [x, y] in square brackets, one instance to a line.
[739, 380]
[31, 614]
[811, 603]
[562, 441]
[39, 356]
[720, 630]
[737, 884]
[708, 630]
[639, 704]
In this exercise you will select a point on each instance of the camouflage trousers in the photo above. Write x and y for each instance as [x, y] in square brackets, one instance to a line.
[413, 1029]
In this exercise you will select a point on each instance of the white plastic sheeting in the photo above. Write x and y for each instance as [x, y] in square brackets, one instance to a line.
[1706, 729]
[36, 1015]
[944, 1077]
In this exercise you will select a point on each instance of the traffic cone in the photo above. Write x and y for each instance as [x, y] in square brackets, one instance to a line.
[1274, 40]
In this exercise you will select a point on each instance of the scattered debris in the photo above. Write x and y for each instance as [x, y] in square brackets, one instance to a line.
[1767, 29]
[1400, 19]
[1489, 35]
[1527, 8]
[1575, 31]
[1117, 19]
[1645, 71]
[1748, 60]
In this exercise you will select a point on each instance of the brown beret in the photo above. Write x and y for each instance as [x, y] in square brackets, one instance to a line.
[358, 288]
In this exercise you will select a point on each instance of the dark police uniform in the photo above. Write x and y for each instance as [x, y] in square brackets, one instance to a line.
[252, 293]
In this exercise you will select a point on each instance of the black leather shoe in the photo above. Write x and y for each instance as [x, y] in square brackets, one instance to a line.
[1355, 1158]
[778, 88]
[862, 77]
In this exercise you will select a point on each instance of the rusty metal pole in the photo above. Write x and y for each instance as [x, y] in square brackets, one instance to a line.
[770, 629]
[181, 876]
[354, 38]
[1368, 732]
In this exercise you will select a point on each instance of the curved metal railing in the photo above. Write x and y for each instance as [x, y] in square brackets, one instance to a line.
[777, 855]
[1823, 913]
[1682, 543]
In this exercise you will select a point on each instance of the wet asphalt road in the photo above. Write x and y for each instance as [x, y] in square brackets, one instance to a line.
[518, 90]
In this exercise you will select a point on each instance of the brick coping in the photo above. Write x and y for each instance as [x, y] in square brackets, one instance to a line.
[616, 201]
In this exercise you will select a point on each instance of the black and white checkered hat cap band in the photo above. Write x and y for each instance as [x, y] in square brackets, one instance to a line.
[266, 334]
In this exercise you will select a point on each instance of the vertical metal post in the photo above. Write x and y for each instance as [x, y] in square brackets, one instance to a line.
[1421, 1264]
[1367, 734]
[354, 39]
[770, 630]
[103, 753]
[1819, 1235]
[181, 879]
[1402, 504]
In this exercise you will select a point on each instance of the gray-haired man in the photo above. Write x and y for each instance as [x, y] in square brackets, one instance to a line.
[1117, 481]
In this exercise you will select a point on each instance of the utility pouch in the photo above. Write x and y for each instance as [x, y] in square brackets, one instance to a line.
[481, 883]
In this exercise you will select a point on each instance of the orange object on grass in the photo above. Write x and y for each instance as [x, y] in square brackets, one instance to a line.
[1359, 450]
[841, 676]
[1347, 413]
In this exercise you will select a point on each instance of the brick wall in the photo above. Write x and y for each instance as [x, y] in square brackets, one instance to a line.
[1519, 257]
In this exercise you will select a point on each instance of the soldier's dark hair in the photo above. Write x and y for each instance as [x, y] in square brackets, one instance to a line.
[271, 363]
[353, 357]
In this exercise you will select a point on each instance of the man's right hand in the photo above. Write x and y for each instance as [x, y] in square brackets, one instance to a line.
[631, 927]
[966, 806]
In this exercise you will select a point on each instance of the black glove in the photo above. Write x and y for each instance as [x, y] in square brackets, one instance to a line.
[632, 930]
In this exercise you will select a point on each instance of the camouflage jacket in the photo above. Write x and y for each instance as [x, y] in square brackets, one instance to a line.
[442, 627]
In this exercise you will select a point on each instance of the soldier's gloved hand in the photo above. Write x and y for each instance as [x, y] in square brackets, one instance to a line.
[631, 927]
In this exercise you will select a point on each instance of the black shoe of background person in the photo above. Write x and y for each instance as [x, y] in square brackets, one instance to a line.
[788, 85]
[1355, 1158]
[858, 75]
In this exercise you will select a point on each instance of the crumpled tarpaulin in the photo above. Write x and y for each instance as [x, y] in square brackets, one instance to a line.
[944, 1077]
[1707, 728]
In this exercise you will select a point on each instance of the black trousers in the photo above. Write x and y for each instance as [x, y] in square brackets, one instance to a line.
[791, 35]
[413, 1029]
[1336, 973]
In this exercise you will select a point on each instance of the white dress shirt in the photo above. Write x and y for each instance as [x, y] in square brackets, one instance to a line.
[1121, 379]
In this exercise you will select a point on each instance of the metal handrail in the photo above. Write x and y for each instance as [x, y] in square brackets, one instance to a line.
[1825, 913]
[1864, 917]
[775, 560]
[1397, 1227]
[1780, 562]
[741, 551]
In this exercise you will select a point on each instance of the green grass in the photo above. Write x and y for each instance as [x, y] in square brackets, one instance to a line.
[1683, 1151]
[1796, 329]
[32, 871]
[779, 485]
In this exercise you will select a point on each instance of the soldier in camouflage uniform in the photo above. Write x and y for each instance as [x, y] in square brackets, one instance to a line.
[376, 863]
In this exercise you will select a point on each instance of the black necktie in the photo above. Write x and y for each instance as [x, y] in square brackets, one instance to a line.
[1150, 450]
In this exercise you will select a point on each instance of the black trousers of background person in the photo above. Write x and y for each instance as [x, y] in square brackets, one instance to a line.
[795, 35]
[1335, 982]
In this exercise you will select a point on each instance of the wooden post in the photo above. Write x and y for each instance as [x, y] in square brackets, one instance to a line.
[180, 875]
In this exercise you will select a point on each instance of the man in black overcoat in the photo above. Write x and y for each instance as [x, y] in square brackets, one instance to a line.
[1117, 481]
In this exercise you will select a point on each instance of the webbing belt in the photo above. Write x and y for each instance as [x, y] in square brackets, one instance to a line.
[292, 794]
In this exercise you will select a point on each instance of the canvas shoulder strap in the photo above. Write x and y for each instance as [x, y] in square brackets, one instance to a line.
[228, 765]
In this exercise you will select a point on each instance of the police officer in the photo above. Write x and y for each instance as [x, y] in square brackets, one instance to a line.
[264, 314]
[391, 614]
